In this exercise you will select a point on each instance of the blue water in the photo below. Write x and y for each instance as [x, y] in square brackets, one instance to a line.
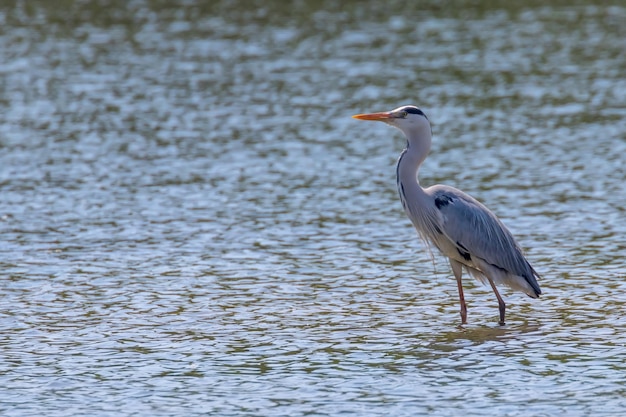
[192, 224]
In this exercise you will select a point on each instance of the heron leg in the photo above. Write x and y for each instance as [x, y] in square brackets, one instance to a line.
[457, 269]
[501, 304]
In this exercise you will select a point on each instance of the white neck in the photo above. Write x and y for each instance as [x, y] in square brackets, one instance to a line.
[418, 146]
[414, 199]
[417, 204]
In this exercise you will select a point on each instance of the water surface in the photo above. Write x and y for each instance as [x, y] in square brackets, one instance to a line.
[192, 224]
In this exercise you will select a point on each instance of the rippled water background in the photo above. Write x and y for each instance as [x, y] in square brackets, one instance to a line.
[192, 224]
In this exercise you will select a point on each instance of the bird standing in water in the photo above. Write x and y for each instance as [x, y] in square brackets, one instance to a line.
[459, 226]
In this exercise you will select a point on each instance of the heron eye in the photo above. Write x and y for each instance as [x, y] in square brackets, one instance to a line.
[405, 114]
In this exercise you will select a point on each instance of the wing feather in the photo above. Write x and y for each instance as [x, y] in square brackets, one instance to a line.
[474, 229]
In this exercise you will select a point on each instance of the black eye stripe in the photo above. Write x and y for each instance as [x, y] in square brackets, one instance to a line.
[413, 110]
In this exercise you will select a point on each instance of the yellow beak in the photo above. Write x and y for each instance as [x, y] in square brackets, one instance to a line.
[374, 116]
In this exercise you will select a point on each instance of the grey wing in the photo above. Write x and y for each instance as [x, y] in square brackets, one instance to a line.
[477, 232]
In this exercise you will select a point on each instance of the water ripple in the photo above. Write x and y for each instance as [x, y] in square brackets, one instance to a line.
[192, 224]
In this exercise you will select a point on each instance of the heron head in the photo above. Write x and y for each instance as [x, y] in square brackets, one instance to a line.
[405, 118]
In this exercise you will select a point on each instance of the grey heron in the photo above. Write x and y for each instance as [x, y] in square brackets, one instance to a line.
[459, 226]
